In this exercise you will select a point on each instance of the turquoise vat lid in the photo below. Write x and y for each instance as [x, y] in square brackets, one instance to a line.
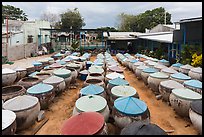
[163, 61]
[64, 73]
[193, 83]
[92, 89]
[92, 103]
[118, 81]
[186, 93]
[180, 76]
[36, 63]
[130, 106]
[39, 88]
[177, 65]
[159, 75]
[133, 61]
[150, 70]
[61, 62]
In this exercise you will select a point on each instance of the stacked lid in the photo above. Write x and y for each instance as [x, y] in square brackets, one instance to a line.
[92, 89]
[118, 81]
[114, 75]
[180, 76]
[40, 88]
[150, 70]
[91, 103]
[8, 117]
[197, 106]
[171, 84]
[193, 83]
[85, 123]
[20, 103]
[53, 80]
[123, 91]
[159, 75]
[186, 94]
[64, 73]
[130, 106]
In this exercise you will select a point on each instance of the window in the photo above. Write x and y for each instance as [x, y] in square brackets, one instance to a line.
[30, 39]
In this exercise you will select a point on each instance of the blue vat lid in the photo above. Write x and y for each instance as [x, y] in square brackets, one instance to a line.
[193, 83]
[180, 76]
[177, 65]
[150, 70]
[118, 81]
[92, 89]
[163, 61]
[61, 62]
[36, 63]
[130, 106]
[133, 61]
[40, 88]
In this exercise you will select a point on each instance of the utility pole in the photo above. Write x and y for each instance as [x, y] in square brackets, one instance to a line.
[165, 17]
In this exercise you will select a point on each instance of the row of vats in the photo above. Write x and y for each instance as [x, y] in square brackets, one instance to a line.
[105, 94]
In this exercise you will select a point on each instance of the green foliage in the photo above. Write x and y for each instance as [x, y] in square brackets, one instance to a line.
[72, 19]
[13, 13]
[188, 51]
[148, 19]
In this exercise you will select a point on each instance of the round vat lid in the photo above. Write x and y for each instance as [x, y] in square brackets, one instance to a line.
[20, 69]
[94, 69]
[40, 88]
[85, 123]
[53, 79]
[186, 93]
[56, 65]
[150, 70]
[160, 66]
[169, 70]
[50, 59]
[180, 76]
[178, 65]
[84, 72]
[8, 71]
[118, 81]
[133, 61]
[171, 84]
[138, 54]
[20, 103]
[142, 128]
[61, 62]
[186, 67]
[63, 73]
[75, 53]
[152, 63]
[138, 63]
[8, 117]
[123, 91]
[33, 74]
[142, 67]
[92, 89]
[91, 103]
[73, 65]
[197, 70]
[36, 63]
[160, 75]
[197, 106]
[115, 75]
[163, 61]
[116, 68]
[193, 83]
[130, 106]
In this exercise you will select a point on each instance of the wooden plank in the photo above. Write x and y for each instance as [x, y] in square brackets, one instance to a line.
[39, 127]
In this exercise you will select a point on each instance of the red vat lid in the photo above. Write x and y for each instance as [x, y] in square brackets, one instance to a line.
[85, 123]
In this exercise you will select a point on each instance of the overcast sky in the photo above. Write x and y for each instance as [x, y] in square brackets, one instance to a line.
[102, 14]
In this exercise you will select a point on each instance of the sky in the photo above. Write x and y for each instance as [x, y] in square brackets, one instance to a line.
[103, 14]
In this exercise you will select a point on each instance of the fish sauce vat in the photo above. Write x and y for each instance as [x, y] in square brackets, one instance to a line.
[92, 103]
[169, 71]
[95, 75]
[8, 122]
[64, 73]
[94, 81]
[85, 123]
[185, 69]
[166, 87]
[28, 82]
[196, 73]
[138, 71]
[129, 109]
[180, 77]
[176, 66]
[145, 74]
[194, 85]
[8, 76]
[57, 82]
[195, 114]
[26, 108]
[154, 80]
[44, 92]
[181, 98]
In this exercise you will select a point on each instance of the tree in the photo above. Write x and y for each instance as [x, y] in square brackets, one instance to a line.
[72, 19]
[50, 17]
[140, 22]
[13, 13]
